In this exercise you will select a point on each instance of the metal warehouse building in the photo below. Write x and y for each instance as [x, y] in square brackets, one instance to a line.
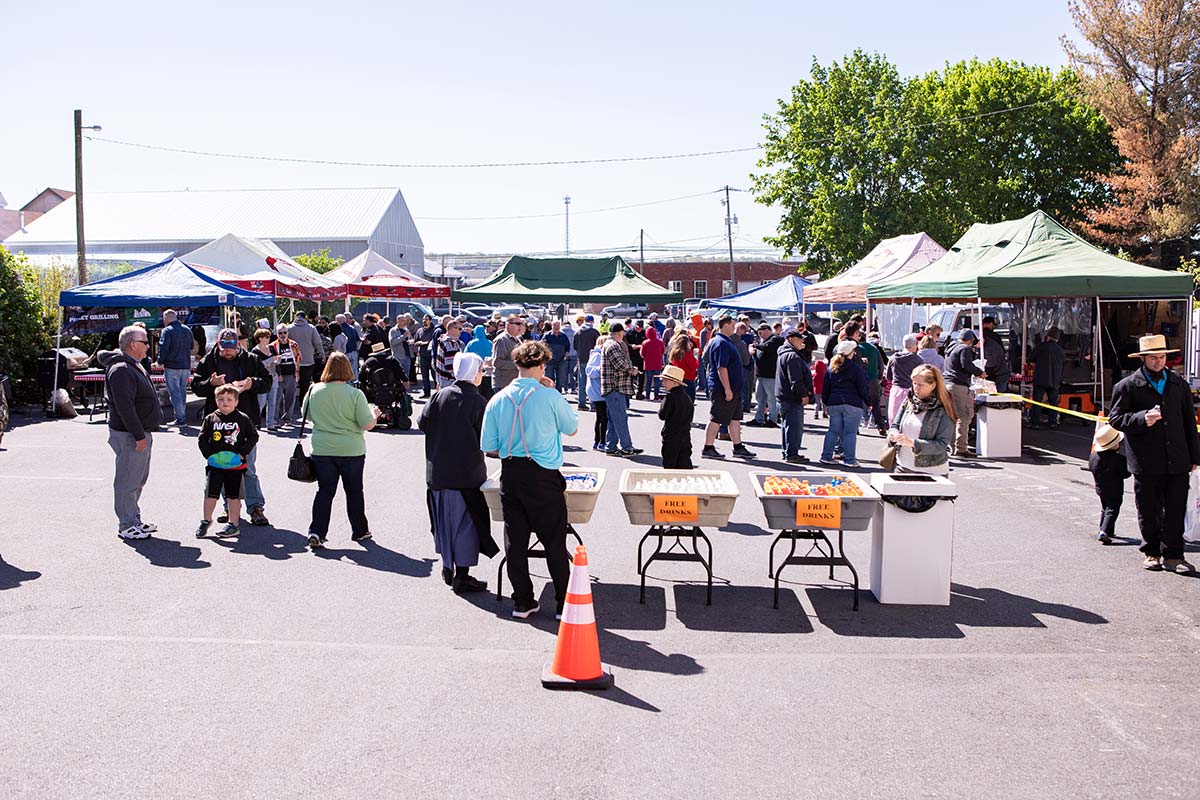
[148, 227]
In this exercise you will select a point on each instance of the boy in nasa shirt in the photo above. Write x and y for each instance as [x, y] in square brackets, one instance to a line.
[226, 438]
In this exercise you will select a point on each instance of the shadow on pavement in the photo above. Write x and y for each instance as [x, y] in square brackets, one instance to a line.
[969, 607]
[376, 556]
[276, 544]
[617, 604]
[11, 577]
[746, 529]
[167, 553]
[740, 609]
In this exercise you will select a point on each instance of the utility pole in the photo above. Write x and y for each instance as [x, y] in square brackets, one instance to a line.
[729, 220]
[642, 248]
[79, 239]
[567, 215]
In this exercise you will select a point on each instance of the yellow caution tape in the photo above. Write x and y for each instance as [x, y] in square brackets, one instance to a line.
[1059, 409]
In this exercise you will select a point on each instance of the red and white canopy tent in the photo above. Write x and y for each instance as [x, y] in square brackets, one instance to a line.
[260, 266]
[371, 275]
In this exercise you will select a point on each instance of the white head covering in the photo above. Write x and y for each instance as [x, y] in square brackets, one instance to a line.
[845, 347]
[466, 365]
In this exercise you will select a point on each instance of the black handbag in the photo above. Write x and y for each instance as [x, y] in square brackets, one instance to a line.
[300, 466]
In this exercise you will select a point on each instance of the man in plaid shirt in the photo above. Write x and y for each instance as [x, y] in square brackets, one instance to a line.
[618, 382]
[447, 346]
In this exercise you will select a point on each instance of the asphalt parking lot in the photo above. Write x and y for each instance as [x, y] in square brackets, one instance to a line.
[177, 667]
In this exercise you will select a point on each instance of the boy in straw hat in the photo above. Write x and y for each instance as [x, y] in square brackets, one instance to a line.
[1153, 408]
[676, 414]
[1109, 471]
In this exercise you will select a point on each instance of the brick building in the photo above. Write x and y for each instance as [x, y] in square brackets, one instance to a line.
[700, 279]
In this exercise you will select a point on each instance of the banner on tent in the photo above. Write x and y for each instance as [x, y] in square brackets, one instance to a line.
[78, 321]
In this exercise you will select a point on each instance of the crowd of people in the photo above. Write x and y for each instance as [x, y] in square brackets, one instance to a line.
[501, 389]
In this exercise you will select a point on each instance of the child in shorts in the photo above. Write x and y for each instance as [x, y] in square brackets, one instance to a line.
[226, 438]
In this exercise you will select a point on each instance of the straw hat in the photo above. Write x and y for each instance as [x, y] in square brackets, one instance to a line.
[1153, 345]
[673, 372]
[1107, 438]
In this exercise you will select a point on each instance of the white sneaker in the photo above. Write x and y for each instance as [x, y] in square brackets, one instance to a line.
[134, 532]
[148, 527]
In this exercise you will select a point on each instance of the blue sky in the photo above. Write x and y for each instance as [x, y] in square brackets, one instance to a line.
[456, 83]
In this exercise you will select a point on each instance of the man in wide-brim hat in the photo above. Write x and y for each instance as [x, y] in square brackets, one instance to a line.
[1153, 408]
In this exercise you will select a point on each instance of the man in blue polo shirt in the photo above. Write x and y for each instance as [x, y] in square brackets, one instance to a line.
[725, 378]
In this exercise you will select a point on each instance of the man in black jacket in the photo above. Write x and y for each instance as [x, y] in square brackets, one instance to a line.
[960, 367]
[765, 352]
[228, 362]
[1153, 408]
[793, 388]
[134, 416]
[585, 340]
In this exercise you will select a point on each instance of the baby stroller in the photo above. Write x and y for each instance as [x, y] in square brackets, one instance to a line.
[382, 383]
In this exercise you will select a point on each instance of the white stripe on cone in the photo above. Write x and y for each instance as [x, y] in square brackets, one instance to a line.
[578, 614]
[579, 581]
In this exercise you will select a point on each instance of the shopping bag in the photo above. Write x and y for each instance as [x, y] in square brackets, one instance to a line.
[1191, 517]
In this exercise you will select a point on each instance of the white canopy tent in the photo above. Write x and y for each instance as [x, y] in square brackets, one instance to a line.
[260, 265]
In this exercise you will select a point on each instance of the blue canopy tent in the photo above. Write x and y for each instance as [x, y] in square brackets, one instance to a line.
[169, 283]
[785, 294]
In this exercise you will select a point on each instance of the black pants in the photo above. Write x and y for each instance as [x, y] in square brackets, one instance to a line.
[601, 429]
[1111, 494]
[677, 454]
[1161, 505]
[533, 502]
[302, 383]
[227, 480]
[350, 470]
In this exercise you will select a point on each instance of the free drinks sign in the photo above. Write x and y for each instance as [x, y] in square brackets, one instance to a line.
[674, 509]
[819, 512]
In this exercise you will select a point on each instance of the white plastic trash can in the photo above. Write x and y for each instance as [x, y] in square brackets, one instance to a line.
[912, 539]
[998, 426]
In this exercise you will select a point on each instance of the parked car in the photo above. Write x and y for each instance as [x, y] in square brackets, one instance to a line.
[627, 310]
[509, 310]
[392, 308]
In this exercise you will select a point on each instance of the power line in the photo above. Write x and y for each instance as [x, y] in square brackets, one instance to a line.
[479, 165]
[576, 213]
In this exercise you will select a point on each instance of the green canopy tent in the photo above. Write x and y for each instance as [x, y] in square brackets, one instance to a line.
[1032, 257]
[567, 280]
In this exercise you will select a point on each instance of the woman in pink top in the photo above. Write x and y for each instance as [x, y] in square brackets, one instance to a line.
[653, 350]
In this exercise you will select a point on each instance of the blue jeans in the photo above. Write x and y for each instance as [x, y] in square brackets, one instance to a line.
[251, 487]
[583, 384]
[1044, 394]
[557, 370]
[793, 427]
[653, 384]
[271, 399]
[177, 381]
[353, 362]
[768, 407]
[572, 372]
[350, 470]
[617, 406]
[843, 426]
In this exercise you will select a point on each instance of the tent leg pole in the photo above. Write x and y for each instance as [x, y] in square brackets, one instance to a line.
[57, 345]
[1100, 352]
[1024, 339]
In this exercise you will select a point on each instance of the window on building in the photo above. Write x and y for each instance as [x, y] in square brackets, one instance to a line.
[728, 288]
[675, 286]
[700, 290]
[764, 283]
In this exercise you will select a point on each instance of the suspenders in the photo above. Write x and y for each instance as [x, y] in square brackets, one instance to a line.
[518, 425]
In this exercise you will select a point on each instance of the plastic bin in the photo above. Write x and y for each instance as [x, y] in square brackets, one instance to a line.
[912, 539]
[780, 510]
[713, 508]
[997, 426]
[580, 502]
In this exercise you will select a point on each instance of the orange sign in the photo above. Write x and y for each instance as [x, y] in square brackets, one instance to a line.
[673, 509]
[819, 512]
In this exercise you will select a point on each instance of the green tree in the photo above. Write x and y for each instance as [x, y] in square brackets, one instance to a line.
[24, 329]
[859, 154]
[320, 261]
[839, 162]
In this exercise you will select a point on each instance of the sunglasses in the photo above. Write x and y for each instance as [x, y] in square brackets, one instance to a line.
[229, 344]
[141, 341]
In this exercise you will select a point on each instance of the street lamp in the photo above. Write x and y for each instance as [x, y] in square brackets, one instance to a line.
[79, 129]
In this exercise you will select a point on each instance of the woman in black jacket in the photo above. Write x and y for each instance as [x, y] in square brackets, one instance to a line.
[846, 394]
[452, 421]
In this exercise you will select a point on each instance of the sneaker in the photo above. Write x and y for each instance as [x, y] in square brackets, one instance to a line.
[257, 517]
[1103, 538]
[1033, 426]
[525, 611]
[228, 532]
[614, 452]
[148, 527]
[711, 452]
[741, 451]
[850, 464]
[1152, 563]
[134, 532]
[202, 529]
[632, 451]
[315, 542]
[796, 460]
[361, 537]
[448, 576]
[1178, 566]
[771, 424]
[829, 462]
[754, 424]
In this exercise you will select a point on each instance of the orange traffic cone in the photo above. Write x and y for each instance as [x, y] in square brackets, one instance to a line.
[576, 662]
